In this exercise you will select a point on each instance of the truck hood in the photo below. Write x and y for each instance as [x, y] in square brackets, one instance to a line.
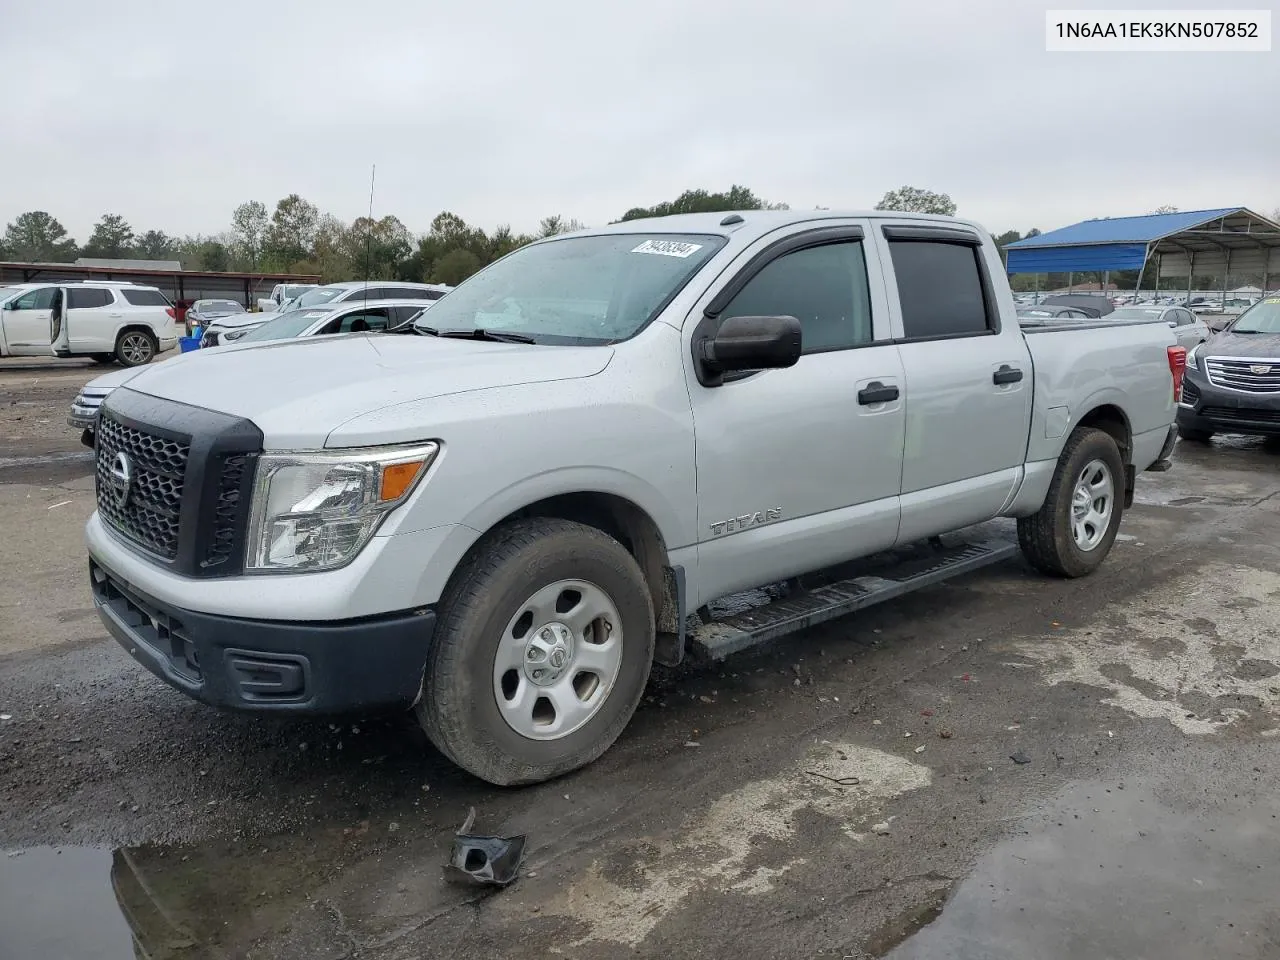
[1243, 345]
[299, 391]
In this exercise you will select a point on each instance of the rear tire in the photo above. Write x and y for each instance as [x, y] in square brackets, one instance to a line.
[136, 347]
[1195, 436]
[491, 701]
[1072, 533]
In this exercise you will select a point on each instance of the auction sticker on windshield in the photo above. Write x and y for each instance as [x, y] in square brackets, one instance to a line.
[668, 248]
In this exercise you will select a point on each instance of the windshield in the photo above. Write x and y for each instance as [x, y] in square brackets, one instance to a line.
[218, 306]
[1136, 313]
[284, 326]
[579, 290]
[319, 295]
[1262, 317]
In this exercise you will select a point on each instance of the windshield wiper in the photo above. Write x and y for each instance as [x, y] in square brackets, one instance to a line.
[479, 333]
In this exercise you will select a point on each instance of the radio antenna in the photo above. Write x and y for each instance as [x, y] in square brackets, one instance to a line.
[368, 233]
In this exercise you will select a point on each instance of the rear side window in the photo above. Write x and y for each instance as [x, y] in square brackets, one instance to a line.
[1184, 317]
[413, 293]
[825, 288]
[402, 315]
[358, 321]
[80, 298]
[145, 298]
[940, 289]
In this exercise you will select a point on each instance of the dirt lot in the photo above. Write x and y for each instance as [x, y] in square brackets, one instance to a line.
[1003, 767]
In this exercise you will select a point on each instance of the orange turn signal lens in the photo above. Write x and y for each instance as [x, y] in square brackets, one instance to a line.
[397, 478]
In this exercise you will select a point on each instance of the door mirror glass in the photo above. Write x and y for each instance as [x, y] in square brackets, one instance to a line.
[752, 343]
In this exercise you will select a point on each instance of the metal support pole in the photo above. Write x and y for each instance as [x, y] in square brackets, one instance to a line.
[1226, 278]
[1159, 257]
[1037, 296]
[1071, 281]
[1191, 273]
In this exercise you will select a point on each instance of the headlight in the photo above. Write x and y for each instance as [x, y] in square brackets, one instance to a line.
[1191, 355]
[316, 511]
[235, 334]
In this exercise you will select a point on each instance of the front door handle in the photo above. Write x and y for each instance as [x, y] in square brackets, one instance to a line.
[877, 392]
[1006, 374]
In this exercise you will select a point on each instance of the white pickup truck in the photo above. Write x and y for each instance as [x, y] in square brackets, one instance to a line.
[504, 520]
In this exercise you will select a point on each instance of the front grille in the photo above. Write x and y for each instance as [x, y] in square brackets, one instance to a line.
[227, 511]
[150, 511]
[210, 339]
[1248, 375]
[1190, 392]
[1241, 415]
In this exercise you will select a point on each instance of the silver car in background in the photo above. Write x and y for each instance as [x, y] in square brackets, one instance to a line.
[1188, 328]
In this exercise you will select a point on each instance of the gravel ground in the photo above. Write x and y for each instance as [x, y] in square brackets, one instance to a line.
[1001, 767]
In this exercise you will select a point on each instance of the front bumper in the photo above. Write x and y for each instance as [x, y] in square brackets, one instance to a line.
[268, 665]
[1219, 410]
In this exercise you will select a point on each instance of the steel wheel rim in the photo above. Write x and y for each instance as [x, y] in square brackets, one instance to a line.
[1092, 503]
[136, 348]
[557, 660]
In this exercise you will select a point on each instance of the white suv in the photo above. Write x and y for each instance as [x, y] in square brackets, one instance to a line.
[103, 320]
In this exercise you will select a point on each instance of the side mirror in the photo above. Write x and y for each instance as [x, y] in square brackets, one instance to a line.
[749, 343]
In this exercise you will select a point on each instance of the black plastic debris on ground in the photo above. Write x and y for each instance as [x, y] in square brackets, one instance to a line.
[486, 859]
[1019, 758]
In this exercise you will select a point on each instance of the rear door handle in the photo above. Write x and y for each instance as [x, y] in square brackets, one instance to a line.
[877, 392]
[1006, 374]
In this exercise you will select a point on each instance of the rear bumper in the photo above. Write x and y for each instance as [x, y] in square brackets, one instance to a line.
[268, 665]
[1218, 410]
[1163, 461]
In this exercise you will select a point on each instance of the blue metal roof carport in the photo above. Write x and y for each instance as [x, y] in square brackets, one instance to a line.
[1225, 239]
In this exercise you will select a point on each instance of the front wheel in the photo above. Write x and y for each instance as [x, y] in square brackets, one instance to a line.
[543, 647]
[1072, 533]
[136, 347]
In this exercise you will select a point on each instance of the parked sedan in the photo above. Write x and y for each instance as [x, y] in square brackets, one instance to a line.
[1232, 383]
[204, 312]
[1190, 329]
[1051, 312]
[377, 315]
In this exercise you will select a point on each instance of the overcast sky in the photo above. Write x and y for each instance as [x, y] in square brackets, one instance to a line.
[172, 113]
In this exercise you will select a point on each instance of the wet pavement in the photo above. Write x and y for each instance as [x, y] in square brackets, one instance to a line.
[1001, 767]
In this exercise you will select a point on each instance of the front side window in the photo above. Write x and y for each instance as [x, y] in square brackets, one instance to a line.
[940, 289]
[576, 289]
[41, 299]
[83, 298]
[823, 287]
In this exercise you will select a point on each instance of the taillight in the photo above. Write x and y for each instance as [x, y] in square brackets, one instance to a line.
[171, 313]
[1178, 369]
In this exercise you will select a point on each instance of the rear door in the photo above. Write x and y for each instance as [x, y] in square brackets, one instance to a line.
[92, 318]
[968, 376]
[798, 468]
[1187, 327]
[26, 322]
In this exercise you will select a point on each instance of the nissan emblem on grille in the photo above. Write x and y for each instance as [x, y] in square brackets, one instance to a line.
[121, 478]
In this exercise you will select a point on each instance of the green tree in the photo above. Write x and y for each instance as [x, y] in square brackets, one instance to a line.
[249, 224]
[455, 266]
[378, 249]
[555, 225]
[916, 200]
[293, 229]
[214, 256]
[154, 245]
[37, 237]
[737, 197]
[1165, 209]
[112, 238]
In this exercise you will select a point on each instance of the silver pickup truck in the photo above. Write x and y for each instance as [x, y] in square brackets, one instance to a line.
[505, 519]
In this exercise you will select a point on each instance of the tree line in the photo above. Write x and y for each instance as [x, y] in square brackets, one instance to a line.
[296, 237]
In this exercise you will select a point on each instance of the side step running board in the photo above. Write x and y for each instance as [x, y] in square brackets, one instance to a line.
[720, 638]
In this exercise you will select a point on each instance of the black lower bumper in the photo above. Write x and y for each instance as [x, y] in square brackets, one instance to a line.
[1212, 409]
[268, 665]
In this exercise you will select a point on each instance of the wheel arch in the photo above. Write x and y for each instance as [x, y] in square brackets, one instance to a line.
[1111, 419]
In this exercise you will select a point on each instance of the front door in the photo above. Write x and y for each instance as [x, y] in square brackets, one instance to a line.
[968, 379]
[799, 468]
[26, 325]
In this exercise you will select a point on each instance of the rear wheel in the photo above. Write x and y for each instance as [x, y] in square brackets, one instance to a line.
[1072, 533]
[1195, 436]
[542, 649]
[136, 347]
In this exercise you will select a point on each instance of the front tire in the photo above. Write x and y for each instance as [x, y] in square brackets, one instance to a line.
[543, 646]
[135, 348]
[1072, 533]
